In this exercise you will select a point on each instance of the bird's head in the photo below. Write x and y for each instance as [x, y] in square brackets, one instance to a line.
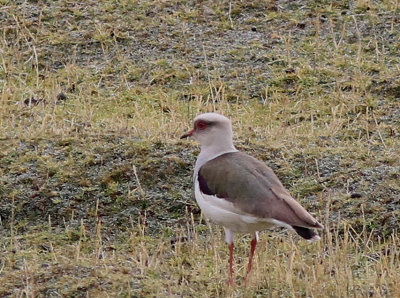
[210, 130]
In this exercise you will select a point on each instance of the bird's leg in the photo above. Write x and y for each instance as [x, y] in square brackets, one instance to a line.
[229, 236]
[230, 281]
[252, 249]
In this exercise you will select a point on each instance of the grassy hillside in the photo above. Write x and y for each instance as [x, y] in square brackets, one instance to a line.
[95, 185]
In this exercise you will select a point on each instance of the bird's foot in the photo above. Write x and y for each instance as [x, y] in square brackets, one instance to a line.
[246, 280]
[230, 282]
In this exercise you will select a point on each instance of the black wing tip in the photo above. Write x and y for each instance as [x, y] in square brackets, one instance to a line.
[306, 233]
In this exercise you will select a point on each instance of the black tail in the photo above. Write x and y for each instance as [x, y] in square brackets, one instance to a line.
[306, 233]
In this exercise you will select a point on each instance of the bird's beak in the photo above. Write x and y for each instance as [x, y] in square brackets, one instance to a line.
[188, 134]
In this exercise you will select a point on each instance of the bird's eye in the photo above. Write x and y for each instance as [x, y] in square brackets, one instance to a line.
[201, 125]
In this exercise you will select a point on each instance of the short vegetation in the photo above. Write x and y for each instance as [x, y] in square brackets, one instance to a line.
[95, 186]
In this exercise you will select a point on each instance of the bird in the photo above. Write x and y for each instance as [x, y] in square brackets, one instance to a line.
[239, 192]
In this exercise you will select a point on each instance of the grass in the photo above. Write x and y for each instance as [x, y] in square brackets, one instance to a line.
[352, 264]
[95, 185]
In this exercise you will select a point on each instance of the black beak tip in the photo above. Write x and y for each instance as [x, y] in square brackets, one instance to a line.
[184, 136]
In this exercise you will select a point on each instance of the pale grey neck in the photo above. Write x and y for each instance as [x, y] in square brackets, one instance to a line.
[209, 153]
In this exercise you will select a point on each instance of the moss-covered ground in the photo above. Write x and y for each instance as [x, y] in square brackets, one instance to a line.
[95, 186]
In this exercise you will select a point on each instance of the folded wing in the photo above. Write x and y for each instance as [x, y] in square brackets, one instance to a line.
[253, 188]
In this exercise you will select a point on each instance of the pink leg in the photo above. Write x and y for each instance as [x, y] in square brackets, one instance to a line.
[230, 281]
[252, 249]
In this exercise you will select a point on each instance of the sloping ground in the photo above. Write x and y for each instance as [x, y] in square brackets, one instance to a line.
[114, 180]
[117, 180]
[189, 46]
[325, 72]
[95, 188]
[113, 215]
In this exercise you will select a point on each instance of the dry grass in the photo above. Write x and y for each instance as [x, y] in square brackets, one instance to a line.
[95, 186]
[341, 265]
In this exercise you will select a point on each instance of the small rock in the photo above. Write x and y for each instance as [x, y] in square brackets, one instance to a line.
[33, 101]
[45, 247]
[72, 88]
[182, 239]
[290, 70]
[187, 97]
[355, 195]
[61, 97]
[301, 25]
